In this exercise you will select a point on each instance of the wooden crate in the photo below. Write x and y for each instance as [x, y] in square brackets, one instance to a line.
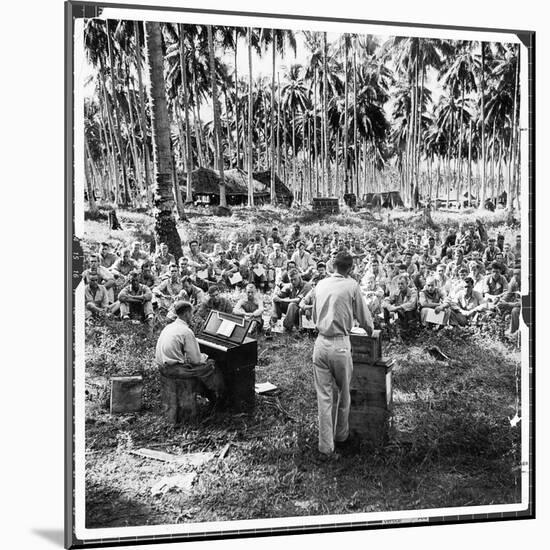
[371, 400]
[366, 349]
[126, 394]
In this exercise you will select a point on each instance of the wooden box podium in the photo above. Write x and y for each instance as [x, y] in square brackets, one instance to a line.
[370, 389]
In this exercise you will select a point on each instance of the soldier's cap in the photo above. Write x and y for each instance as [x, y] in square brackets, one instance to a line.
[212, 289]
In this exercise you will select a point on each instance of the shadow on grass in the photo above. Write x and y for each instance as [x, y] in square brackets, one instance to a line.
[107, 507]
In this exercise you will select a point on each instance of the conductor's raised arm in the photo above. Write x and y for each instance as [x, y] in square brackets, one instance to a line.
[361, 312]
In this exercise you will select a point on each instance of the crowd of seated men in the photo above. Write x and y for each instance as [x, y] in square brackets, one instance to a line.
[409, 277]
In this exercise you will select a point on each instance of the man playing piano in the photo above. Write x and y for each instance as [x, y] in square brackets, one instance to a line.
[178, 355]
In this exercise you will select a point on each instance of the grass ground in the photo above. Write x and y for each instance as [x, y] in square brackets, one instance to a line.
[451, 444]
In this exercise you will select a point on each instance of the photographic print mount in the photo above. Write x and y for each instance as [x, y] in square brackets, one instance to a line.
[78, 534]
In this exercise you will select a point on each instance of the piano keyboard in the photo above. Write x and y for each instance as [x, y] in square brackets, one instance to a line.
[212, 344]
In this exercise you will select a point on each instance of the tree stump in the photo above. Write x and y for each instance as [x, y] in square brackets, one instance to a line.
[113, 220]
[179, 398]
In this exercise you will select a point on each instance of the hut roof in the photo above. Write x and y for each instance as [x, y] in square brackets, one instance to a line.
[206, 181]
[281, 190]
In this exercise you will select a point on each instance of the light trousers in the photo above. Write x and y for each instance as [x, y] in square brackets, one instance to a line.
[332, 364]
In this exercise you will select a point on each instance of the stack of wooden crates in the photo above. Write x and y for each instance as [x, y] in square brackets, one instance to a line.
[370, 390]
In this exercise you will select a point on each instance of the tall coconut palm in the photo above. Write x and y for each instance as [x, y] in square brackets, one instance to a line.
[216, 109]
[165, 223]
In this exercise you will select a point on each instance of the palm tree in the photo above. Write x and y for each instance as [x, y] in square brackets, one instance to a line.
[165, 223]
[216, 109]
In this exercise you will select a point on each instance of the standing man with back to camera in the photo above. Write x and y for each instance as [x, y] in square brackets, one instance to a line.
[337, 301]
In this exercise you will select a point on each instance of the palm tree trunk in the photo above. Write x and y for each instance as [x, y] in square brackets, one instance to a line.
[237, 104]
[228, 127]
[185, 98]
[135, 148]
[514, 135]
[218, 146]
[250, 188]
[116, 112]
[346, 121]
[325, 114]
[201, 145]
[88, 171]
[470, 165]
[112, 140]
[482, 116]
[278, 126]
[355, 155]
[316, 151]
[272, 194]
[143, 117]
[165, 224]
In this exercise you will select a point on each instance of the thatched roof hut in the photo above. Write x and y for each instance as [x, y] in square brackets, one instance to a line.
[283, 193]
[205, 182]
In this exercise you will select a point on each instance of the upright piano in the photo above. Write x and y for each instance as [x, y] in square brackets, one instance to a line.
[225, 339]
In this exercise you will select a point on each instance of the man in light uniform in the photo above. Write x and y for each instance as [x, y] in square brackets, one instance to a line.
[178, 355]
[337, 301]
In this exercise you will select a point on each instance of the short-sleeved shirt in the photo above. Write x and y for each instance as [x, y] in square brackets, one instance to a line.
[99, 297]
[337, 301]
[177, 345]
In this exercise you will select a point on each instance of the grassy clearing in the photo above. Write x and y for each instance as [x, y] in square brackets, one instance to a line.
[452, 443]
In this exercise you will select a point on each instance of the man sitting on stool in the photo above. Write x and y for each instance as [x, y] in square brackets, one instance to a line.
[178, 356]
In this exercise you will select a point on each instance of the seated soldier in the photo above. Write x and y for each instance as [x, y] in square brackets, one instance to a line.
[393, 256]
[330, 262]
[106, 257]
[432, 298]
[213, 301]
[159, 270]
[495, 285]
[457, 283]
[197, 259]
[104, 276]
[320, 273]
[259, 238]
[189, 293]
[511, 302]
[138, 254]
[250, 306]
[517, 248]
[287, 301]
[185, 270]
[403, 302]
[379, 274]
[441, 280]
[223, 269]
[124, 265]
[509, 256]
[168, 289]
[275, 236]
[257, 267]
[178, 354]
[427, 260]
[489, 255]
[285, 279]
[146, 276]
[468, 303]
[290, 249]
[318, 254]
[164, 256]
[304, 262]
[476, 275]
[135, 299]
[276, 261]
[95, 298]
[373, 293]
[296, 235]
